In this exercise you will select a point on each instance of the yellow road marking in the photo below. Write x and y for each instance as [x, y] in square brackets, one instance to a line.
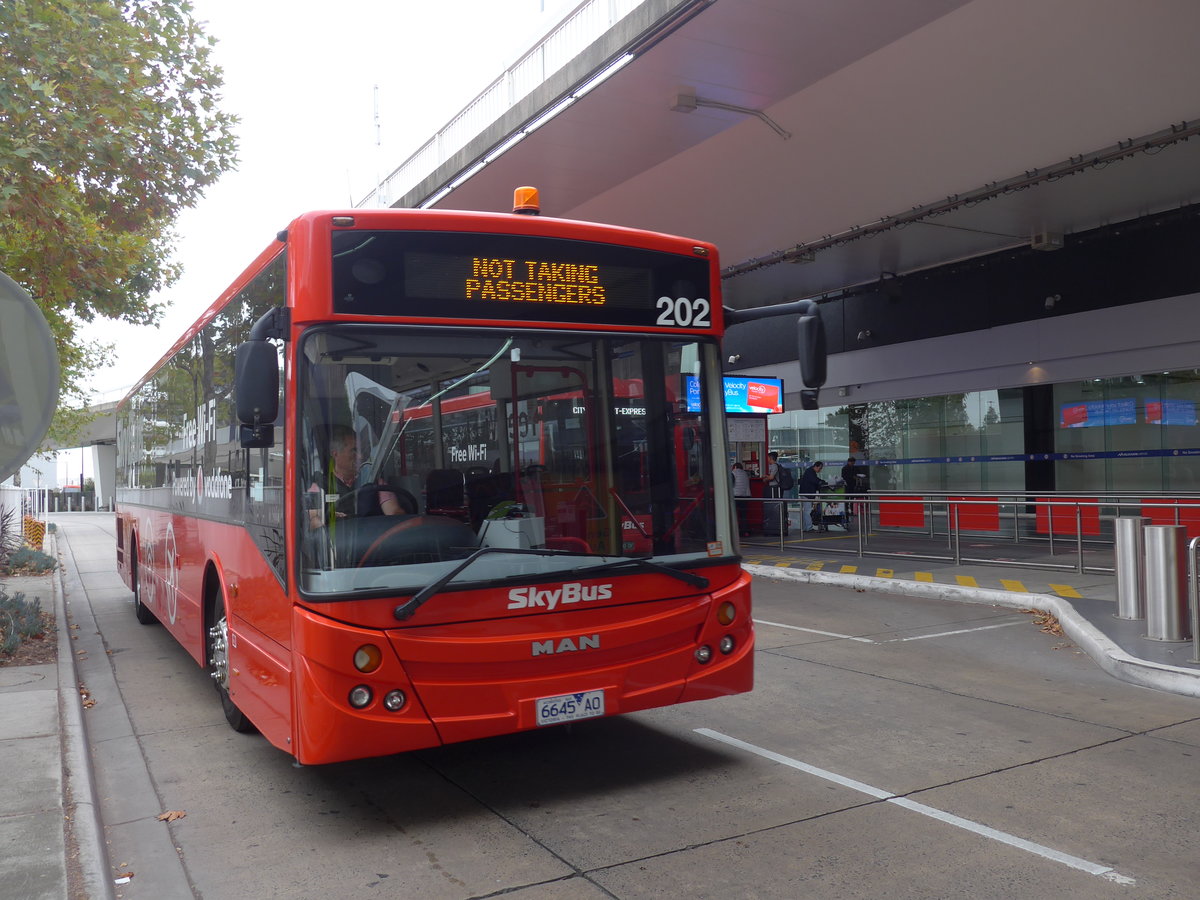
[815, 567]
[924, 576]
[1065, 590]
[848, 570]
[1013, 585]
[885, 573]
[966, 580]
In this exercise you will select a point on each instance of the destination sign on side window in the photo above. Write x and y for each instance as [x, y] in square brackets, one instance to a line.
[482, 276]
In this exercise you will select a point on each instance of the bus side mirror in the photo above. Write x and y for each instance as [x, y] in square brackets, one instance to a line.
[810, 339]
[256, 391]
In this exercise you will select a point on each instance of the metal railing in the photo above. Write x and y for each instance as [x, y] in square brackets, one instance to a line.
[1091, 519]
[587, 23]
[1046, 527]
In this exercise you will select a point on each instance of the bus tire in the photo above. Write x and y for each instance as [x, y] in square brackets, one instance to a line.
[140, 610]
[218, 664]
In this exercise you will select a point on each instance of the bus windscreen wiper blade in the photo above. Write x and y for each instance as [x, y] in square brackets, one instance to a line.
[406, 609]
[636, 562]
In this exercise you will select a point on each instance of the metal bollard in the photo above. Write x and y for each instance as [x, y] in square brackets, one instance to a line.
[1166, 583]
[1130, 553]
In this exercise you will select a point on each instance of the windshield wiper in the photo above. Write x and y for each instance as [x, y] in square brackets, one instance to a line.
[406, 609]
[636, 562]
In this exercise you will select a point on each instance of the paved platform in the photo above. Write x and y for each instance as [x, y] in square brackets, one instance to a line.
[1023, 576]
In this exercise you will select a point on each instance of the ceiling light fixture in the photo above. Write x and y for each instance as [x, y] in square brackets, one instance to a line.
[685, 101]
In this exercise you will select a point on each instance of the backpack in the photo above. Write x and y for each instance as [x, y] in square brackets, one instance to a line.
[784, 478]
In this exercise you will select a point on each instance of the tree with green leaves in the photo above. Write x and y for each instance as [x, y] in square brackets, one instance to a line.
[109, 127]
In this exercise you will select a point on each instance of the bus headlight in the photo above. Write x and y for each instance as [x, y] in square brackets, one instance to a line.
[393, 701]
[703, 653]
[726, 613]
[368, 658]
[727, 644]
[360, 697]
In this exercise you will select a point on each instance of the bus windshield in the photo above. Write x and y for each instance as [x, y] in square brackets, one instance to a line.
[419, 446]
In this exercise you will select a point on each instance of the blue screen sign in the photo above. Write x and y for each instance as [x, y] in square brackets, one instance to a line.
[743, 394]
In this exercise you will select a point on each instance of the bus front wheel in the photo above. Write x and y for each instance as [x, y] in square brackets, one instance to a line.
[140, 610]
[218, 665]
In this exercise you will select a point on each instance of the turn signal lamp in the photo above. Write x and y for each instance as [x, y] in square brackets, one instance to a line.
[726, 613]
[526, 201]
[368, 658]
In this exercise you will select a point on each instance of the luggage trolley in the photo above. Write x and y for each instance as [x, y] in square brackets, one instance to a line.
[831, 511]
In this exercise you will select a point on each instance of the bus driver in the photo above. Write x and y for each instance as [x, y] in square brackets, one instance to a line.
[369, 500]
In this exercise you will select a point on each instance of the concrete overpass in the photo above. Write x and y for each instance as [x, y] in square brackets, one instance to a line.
[837, 149]
[794, 130]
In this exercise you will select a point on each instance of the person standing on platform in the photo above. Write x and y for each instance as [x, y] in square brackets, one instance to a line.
[741, 488]
[811, 485]
[772, 484]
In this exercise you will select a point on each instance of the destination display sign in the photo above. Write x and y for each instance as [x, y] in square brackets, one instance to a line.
[488, 276]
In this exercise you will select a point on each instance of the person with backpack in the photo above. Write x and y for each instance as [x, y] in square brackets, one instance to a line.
[785, 480]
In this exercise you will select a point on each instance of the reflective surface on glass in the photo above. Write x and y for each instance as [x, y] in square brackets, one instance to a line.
[418, 448]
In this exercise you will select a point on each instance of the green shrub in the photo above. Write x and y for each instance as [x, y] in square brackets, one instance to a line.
[19, 619]
[11, 538]
[28, 561]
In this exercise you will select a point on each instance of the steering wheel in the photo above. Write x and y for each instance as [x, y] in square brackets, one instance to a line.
[408, 503]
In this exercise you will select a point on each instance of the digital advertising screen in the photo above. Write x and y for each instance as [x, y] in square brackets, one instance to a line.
[745, 394]
[1170, 412]
[1095, 413]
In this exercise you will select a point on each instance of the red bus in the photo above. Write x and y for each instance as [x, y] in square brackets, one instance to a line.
[513, 390]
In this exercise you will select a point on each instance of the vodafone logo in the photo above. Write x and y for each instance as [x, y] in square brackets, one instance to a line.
[552, 598]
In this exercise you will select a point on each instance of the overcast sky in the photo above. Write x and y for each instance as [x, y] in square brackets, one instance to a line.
[301, 75]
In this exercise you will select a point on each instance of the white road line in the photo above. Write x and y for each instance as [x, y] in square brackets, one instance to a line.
[922, 637]
[849, 637]
[1003, 837]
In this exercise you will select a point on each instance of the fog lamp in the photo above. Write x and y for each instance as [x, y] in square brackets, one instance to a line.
[703, 653]
[727, 644]
[360, 696]
[393, 701]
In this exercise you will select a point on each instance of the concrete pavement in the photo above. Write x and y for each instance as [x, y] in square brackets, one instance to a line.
[52, 839]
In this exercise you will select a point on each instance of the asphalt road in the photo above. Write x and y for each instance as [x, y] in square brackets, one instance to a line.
[893, 747]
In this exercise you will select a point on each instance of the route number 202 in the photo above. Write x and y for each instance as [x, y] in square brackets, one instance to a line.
[683, 312]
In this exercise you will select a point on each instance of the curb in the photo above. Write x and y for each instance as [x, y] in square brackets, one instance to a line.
[81, 804]
[1103, 651]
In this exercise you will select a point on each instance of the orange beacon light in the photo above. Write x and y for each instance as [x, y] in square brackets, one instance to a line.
[526, 202]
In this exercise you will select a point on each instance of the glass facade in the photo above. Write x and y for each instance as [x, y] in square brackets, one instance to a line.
[1132, 431]
[1129, 433]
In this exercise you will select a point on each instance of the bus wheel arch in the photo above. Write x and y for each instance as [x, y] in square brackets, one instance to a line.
[141, 611]
[216, 648]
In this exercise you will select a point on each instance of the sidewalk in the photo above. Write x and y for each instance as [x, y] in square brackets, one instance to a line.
[51, 839]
